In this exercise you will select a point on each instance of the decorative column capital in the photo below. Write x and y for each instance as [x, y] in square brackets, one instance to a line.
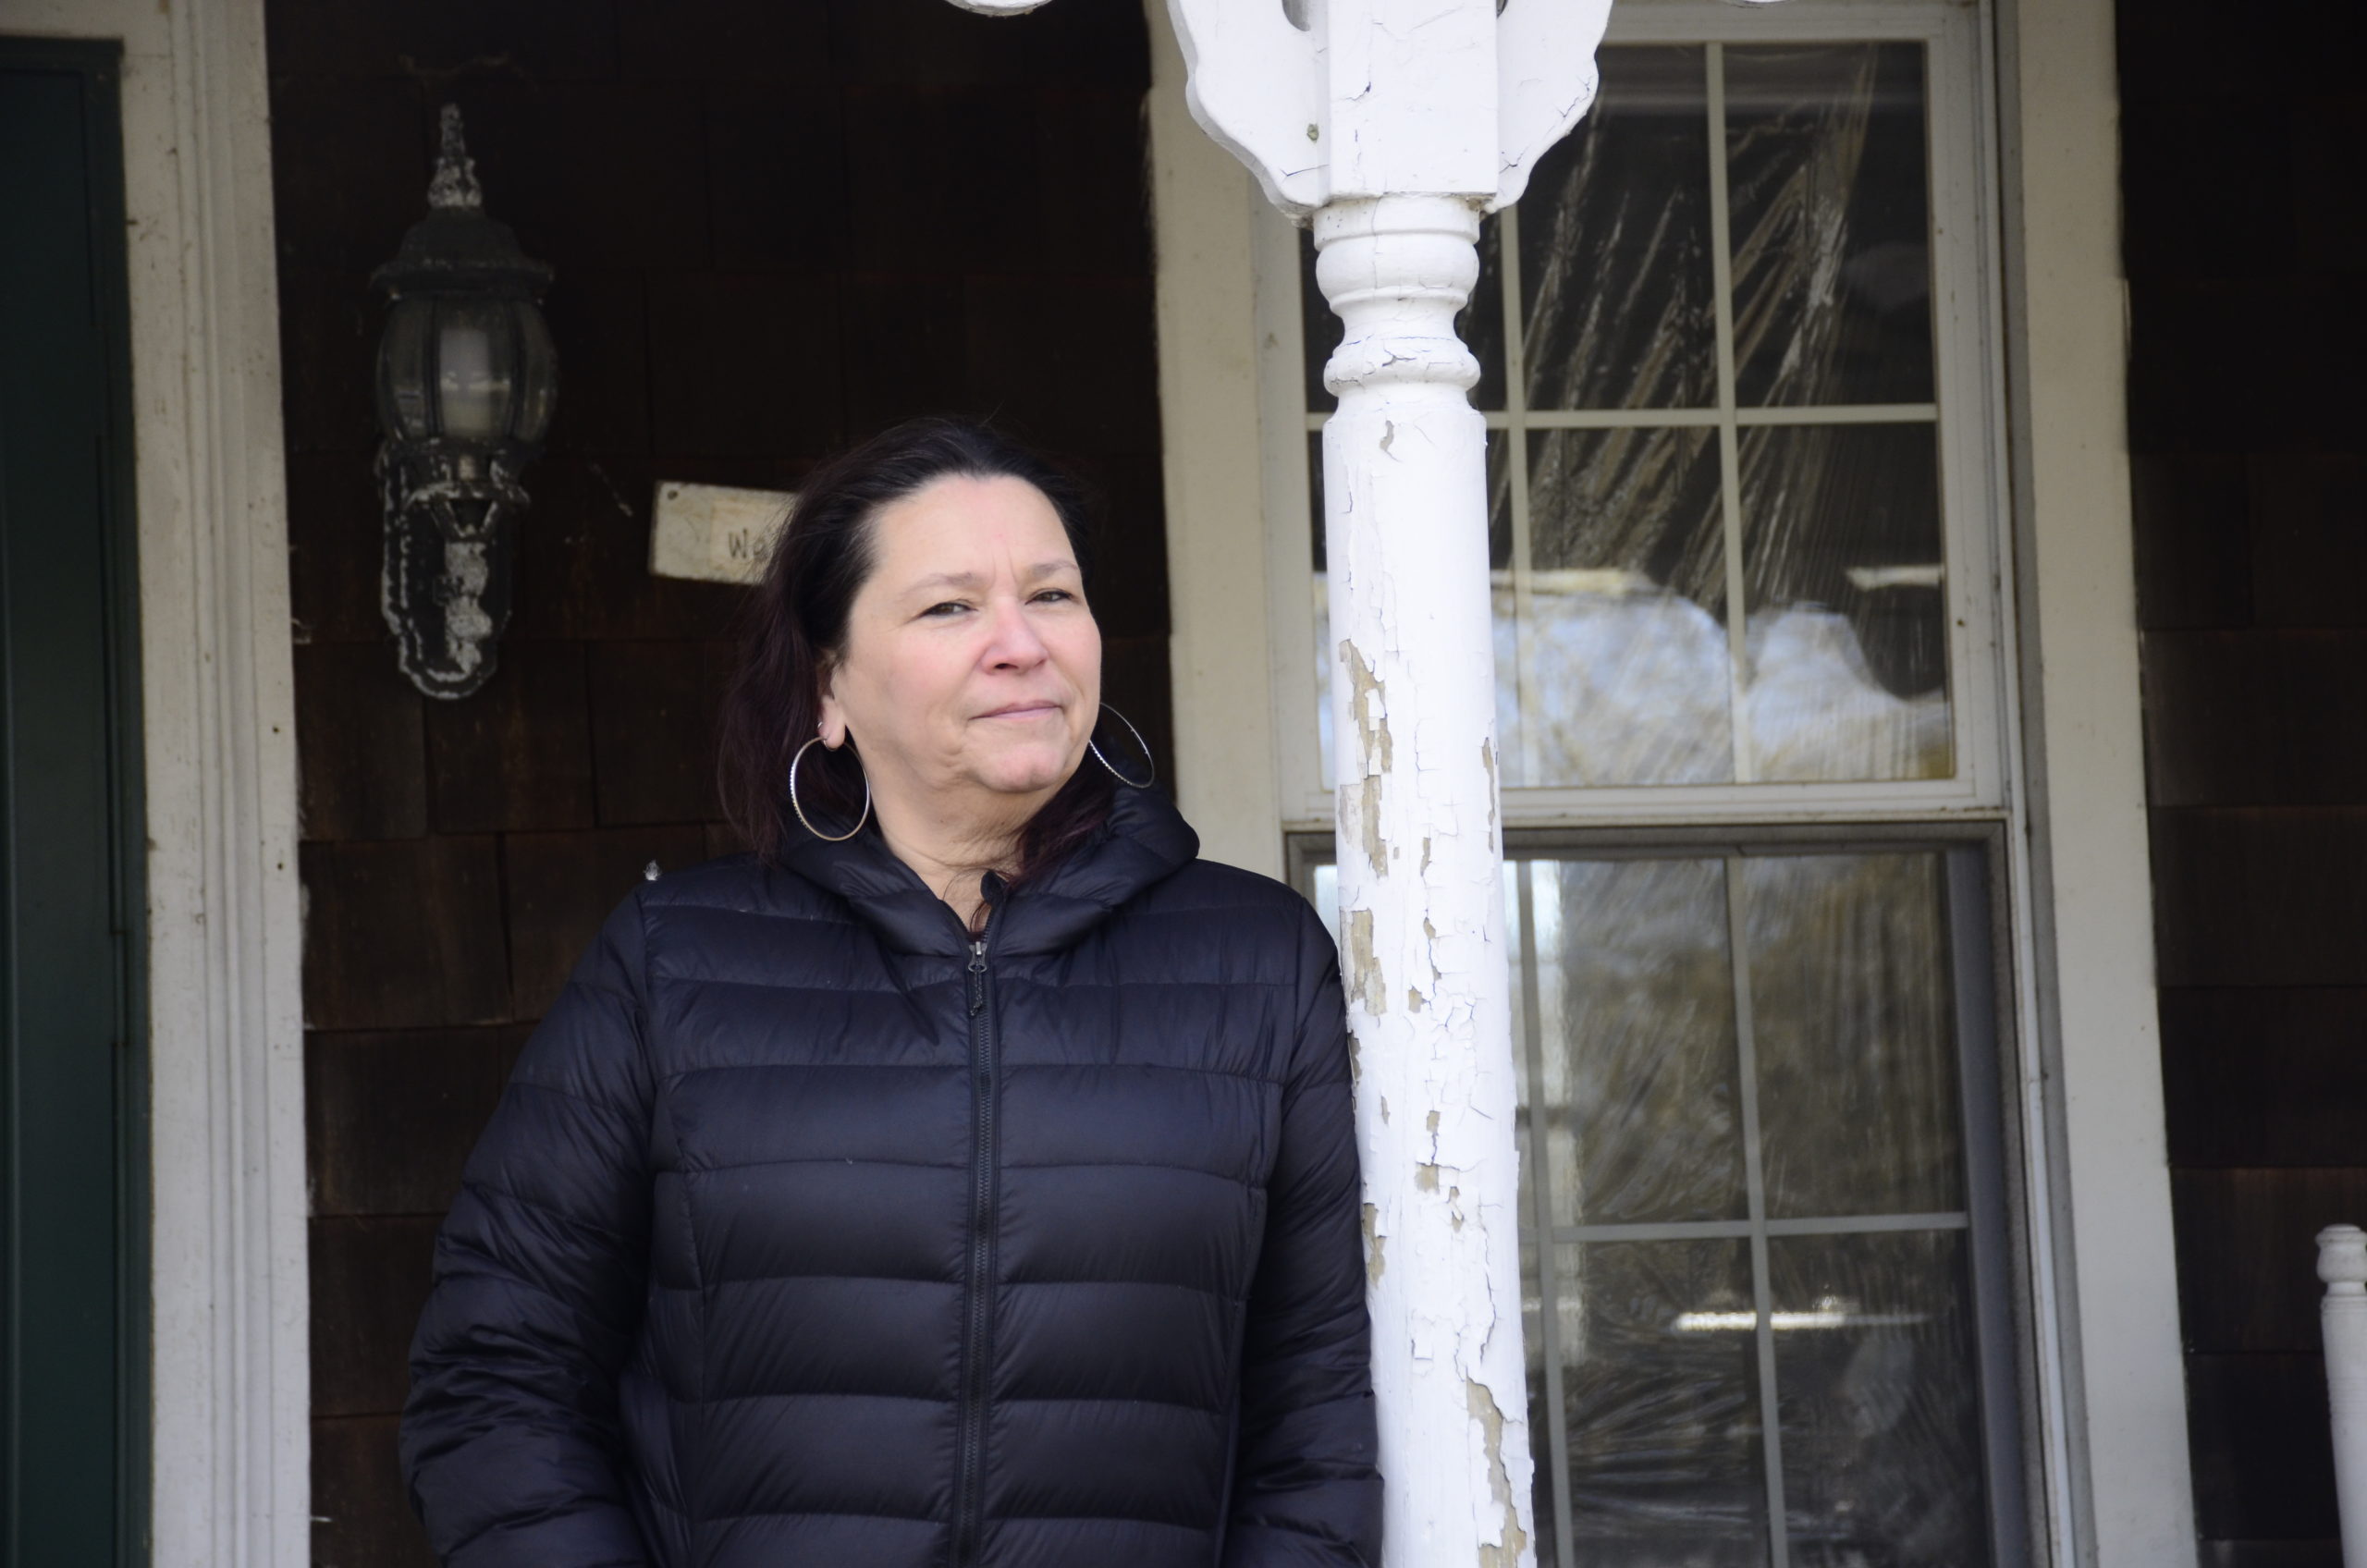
[1383, 97]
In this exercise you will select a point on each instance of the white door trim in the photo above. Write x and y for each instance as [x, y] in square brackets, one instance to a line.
[2092, 904]
[230, 1449]
[1220, 647]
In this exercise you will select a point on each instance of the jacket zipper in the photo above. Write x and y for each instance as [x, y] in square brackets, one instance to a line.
[971, 1505]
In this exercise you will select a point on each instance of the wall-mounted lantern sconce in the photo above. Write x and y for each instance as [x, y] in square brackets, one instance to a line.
[467, 382]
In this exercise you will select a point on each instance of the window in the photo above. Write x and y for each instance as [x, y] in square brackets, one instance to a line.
[1738, 376]
[1743, 498]
[1763, 1234]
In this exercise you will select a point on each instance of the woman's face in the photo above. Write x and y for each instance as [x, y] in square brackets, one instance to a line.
[972, 665]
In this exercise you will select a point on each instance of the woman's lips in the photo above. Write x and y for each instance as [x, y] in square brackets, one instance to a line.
[1022, 710]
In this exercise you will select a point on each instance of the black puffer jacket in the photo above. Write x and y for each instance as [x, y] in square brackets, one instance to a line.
[809, 1234]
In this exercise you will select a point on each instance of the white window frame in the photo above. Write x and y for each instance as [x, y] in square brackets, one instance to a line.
[2062, 769]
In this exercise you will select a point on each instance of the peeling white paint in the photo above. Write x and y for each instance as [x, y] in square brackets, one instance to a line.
[1407, 546]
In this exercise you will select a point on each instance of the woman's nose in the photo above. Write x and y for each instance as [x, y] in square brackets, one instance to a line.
[1013, 643]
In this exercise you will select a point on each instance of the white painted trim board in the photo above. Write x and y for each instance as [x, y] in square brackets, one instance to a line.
[231, 1441]
[2099, 1103]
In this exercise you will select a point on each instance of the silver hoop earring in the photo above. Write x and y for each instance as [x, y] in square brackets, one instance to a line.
[1093, 746]
[859, 821]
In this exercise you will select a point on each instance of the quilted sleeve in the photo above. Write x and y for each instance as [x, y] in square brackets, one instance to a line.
[509, 1440]
[1306, 1490]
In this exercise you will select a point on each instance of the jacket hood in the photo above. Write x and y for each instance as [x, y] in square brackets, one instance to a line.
[1144, 842]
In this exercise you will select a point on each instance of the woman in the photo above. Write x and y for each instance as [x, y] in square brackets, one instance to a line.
[967, 1176]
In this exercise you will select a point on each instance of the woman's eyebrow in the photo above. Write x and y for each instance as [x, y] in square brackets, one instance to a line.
[972, 581]
[945, 579]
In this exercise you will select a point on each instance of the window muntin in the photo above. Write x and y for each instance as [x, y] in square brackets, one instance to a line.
[1720, 489]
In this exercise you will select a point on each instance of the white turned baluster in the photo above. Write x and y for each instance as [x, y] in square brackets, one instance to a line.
[2342, 1264]
[1392, 125]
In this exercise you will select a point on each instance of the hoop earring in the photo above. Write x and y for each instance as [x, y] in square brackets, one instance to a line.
[1095, 747]
[859, 821]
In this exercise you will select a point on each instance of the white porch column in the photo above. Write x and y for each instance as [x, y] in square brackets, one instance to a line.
[1392, 125]
[2342, 1264]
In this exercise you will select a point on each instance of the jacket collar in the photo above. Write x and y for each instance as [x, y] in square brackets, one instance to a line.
[1144, 842]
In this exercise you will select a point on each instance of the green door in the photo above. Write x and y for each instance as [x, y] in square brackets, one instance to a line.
[70, 1362]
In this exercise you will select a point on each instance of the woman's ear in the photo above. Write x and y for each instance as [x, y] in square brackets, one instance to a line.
[833, 727]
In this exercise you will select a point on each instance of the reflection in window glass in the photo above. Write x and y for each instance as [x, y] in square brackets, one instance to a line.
[1848, 621]
[1623, 668]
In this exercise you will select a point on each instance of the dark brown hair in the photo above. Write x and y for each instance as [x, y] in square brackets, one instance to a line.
[797, 625]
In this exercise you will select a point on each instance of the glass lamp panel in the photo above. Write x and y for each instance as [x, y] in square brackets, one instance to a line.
[538, 374]
[1844, 564]
[1853, 1021]
[1658, 1386]
[1480, 323]
[405, 400]
[1627, 672]
[1640, 1113]
[1877, 1393]
[476, 361]
[1617, 285]
[1828, 192]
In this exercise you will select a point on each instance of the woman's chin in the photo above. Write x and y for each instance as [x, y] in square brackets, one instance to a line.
[1026, 771]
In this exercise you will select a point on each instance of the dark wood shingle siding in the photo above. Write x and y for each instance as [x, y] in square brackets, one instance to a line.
[2246, 243]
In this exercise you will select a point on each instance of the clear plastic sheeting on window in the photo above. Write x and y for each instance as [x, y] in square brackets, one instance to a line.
[1659, 1391]
[1832, 257]
[1748, 1280]
[1852, 1008]
[1879, 1408]
[1636, 1019]
[1617, 282]
[1707, 341]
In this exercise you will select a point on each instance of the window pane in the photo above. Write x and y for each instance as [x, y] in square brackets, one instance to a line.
[1480, 323]
[1659, 1388]
[1842, 559]
[1626, 674]
[1852, 1020]
[1880, 1419]
[1616, 281]
[1830, 207]
[1637, 1002]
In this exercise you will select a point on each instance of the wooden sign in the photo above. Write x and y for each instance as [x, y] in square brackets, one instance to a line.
[714, 532]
